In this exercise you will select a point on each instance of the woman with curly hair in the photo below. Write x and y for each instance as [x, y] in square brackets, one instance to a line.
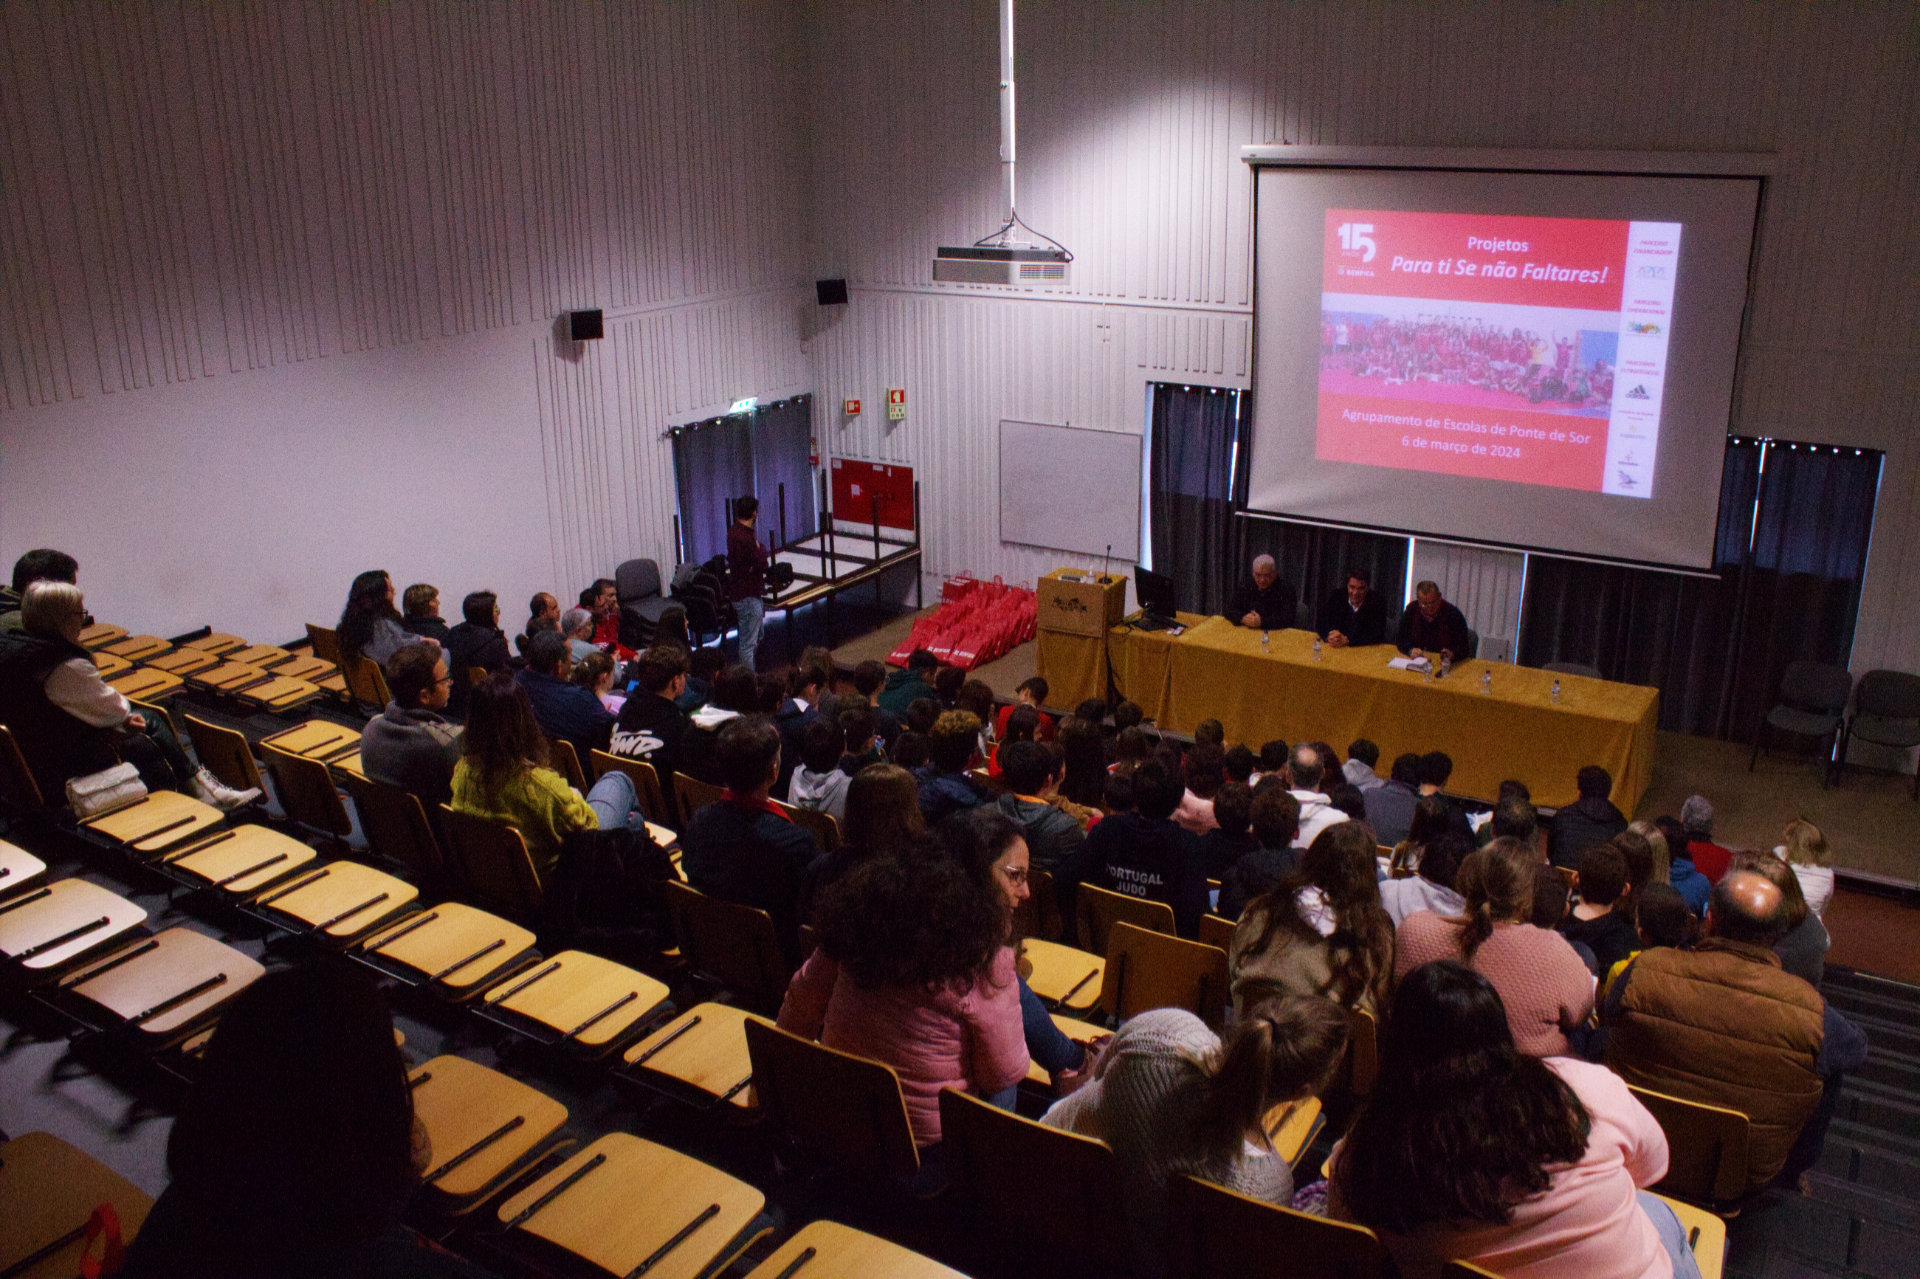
[913, 969]
[370, 626]
[1472, 1149]
[1322, 932]
[1546, 987]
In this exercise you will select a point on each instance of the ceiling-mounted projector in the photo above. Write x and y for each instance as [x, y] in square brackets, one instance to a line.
[991, 264]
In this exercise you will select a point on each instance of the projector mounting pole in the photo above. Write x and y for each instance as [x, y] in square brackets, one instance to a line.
[1006, 104]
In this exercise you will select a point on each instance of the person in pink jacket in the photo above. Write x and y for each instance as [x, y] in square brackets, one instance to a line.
[913, 970]
[1470, 1149]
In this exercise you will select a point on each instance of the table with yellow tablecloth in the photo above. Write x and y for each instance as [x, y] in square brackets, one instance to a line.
[1216, 670]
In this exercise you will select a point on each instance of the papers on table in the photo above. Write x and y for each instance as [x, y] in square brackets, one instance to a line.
[1420, 664]
[711, 717]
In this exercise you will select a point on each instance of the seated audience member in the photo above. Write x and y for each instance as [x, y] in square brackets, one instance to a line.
[503, 776]
[976, 698]
[1709, 858]
[1721, 1024]
[43, 565]
[1272, 760]
[1231, 838]
[1093, 710]
[541, 608]
[535, 626]
[912, 751]
[704, 666]
[1432, 818]
[945, 787]
[862, 747]
[1173, 1099]
[1435, 864]
[994, 849]
[1515, 818]
[1547, 989]
[421, 615]
[1656, 847]
[1803, 948]
[1264, 601]
[1131, 748]
[741, 847]
[817, 783]
[1033, 783]
[1203, 769]
[1241, 763]
[1804, 848]
[868, 679]
[297, 1150]
[1321, 933]
[602, 599]
[476, 641]
[69, 722]
[1142, 854]
[1470, 1148]
[1390, 805]
[1551, 898]
[1127, 715]
[1681, 872]
[921, 714]
[410, 744]
[1602, 920]
[1021, 726]
[1354, 614]
[1032, 692]
[1436, 769]
[651, 725]
[1660, 918]
[1083, 752]
[1117, 795]
[369, 625]
[1275, 818]
[914, 970]
[1591, 819]
[1362, 756]
[1304, 771]
[1212, 732]
[769, 691]
[576, 628]
[947, 683]
[797, 707]
[1347, 799]
[1432, 628]
[1637, 854]
[910, 683]
[563, 708]
[671, 627]
[737, 689]
[883, 816]
[594, 672]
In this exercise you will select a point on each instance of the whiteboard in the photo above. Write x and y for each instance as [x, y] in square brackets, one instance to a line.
[1071, 489]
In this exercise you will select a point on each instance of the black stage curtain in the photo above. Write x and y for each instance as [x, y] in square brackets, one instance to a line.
[1196, 432]
[1790, 552]
[712, 463]
[1317, 559]
[782, 454]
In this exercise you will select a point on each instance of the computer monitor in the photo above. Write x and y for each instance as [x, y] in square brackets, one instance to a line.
[1155, 593]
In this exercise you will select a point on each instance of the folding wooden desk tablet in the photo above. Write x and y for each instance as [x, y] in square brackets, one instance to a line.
[110, 667]
[339, 903]
[145, 682]
[482, 1126]
[19, 870]
[1063, 976]
[239, 861]
[457, 948]
[578, 999]
[227, 676]
[842, 1250]
[699, 1056]
[136, 648]
[45, 930]
[278, 693]
[182, 662]
[218, 643]
[162, 987]
[163, 820]
[100, 634]
[316, 739]
[48, 1191]
[623, 1202]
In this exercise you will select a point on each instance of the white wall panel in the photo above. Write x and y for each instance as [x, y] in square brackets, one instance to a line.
[1484, 584]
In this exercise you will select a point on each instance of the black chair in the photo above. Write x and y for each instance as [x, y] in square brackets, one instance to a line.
[1812, 701]
[637, 584]
[1886, 712]
[1473, 646]
[699, 589]
[1303, 616]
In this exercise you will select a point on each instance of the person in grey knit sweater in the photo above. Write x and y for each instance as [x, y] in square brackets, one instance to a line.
[1172, 1099]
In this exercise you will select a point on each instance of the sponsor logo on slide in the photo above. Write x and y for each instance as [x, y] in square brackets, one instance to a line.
[1639, 393]
[1636, 326]
[1626, 481]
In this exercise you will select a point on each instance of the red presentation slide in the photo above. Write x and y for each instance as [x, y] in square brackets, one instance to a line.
[1491, 346]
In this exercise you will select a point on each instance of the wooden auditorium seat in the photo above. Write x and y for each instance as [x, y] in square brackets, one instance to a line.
[238, 861]
[841, 1110]
[1215, 1233]
[160, 821]
[699, 1057]
[225, 753]
[646, 783]
[1099, 909]
[580, 1002]
[160, 990]
[307, 794]
[454, 949]
[395, 824]
[338, 904]
[1063, 976]
[1147, 969]
[842, 1250]
[491, 863]
[482, 1128]
[49, 1192]
[46, 930]
[732, 945]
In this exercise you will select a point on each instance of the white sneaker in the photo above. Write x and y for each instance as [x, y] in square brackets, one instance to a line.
[209, 790]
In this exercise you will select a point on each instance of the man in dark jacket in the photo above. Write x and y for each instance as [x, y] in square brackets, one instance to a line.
[1265, 601]
[1431, 627]
[1276, 820]
[1390, 807]
[475, 641]
[952, 747]
[563, 708]
[743, 849]
[747, 576]
[652, 727]
[1032, 781]
[1355, 615]
[409, 744]
[904, 687]
[1591, 819]
[1144, 853]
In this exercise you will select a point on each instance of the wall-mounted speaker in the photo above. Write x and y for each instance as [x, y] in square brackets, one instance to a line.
[831, 292]
[585, 326]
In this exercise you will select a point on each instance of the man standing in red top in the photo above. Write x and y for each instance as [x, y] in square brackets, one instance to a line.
[1709, 858]
[747, 576]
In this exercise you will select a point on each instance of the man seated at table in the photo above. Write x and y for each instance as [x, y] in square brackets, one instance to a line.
[1431, 627]
[1356, 614]
[1266, 601]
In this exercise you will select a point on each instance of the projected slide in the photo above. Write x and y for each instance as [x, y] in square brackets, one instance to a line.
[1526, 349]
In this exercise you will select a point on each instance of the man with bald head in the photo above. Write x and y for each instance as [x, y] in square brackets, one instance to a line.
[1723, 1024]
[1265, 601]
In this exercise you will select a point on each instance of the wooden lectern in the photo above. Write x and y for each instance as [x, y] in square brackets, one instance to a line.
[1075, 610]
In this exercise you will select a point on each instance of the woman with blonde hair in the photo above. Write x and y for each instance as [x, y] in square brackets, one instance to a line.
[1547, 989]
[1805, 849]
[1662, 855]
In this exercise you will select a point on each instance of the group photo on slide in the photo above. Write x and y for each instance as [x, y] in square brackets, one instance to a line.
[1559, 363]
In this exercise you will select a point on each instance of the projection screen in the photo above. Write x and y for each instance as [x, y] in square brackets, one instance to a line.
[1542, 360]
